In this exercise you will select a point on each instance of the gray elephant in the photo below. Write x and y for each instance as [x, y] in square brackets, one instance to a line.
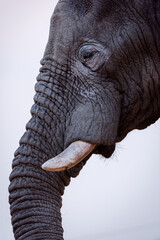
[98, 81]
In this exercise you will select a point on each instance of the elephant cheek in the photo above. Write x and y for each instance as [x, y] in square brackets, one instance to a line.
[93, 123]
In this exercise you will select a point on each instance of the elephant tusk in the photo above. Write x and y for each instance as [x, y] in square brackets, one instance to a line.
[71, 156]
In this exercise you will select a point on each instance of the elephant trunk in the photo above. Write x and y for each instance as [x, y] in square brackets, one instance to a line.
[35, 195]
[57, 121]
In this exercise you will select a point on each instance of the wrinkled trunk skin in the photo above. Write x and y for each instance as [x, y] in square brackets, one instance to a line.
[35, 195]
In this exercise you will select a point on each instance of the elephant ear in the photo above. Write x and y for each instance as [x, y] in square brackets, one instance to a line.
[70, 157]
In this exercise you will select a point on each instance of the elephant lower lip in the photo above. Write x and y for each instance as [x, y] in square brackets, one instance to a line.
[104, 150]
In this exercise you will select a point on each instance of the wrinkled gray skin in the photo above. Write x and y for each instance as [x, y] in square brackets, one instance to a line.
[99, 80]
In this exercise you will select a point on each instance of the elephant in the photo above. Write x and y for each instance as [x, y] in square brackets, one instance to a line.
[99, 79]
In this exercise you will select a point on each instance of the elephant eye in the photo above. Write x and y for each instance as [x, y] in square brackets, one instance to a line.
[91, 56]
[86, 53]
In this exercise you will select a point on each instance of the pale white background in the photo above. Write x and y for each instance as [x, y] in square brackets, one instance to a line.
[115, 199]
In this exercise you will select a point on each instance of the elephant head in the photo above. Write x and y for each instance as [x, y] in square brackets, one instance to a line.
[98, 81]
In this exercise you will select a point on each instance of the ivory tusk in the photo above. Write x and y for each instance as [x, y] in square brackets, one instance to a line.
[71, 156]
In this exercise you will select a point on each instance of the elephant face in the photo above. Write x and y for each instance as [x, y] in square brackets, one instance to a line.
[107, 54]
[99, 80]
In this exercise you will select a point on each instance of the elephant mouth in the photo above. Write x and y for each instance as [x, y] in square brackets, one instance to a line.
[75, 153]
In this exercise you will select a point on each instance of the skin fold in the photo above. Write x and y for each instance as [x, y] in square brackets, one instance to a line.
[99, 79]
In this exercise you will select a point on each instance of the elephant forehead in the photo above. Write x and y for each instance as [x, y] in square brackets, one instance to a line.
[70, 26]
[74, 22]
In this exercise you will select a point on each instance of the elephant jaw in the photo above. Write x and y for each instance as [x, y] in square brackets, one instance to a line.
[70, 157]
